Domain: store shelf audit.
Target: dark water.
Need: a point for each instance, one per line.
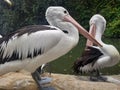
(64, 63)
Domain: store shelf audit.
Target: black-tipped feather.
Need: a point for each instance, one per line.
(90, 55)
(27, 29)
(15, 56)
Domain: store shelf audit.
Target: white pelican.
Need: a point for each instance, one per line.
(0, 36)
(9, 2)
(34, 45)
(95, 58)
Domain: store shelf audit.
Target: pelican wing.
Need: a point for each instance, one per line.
(28, 42)
(90, 55)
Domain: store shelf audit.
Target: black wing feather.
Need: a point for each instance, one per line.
(27, 29)
(90, 55)
(15, 56)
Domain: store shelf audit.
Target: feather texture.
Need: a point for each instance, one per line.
(18, 45)
(89, 56)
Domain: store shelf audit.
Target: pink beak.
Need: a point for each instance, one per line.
(81, 30)
(92, 32)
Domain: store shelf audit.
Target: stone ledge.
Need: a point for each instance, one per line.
(23, 81)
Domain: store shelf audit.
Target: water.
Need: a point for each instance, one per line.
(64, 64)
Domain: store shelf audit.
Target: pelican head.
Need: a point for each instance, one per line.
(98, 22)
(57, 14)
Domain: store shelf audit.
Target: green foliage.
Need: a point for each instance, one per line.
(110, 9)
(113, 29)
(22, 13)
(26, 12)
(112, 15)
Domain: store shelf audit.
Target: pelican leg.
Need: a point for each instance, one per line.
(93, 75)
(100, 77)
(96, 76)
(37, 78)
(40, 81)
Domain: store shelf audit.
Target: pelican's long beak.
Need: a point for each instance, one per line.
(92, 32)
(81, 30)
(9, 2)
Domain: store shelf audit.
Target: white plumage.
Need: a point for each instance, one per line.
(110, 55)
(0, 36)
(8, 1)
(94, 57)
(31, 46)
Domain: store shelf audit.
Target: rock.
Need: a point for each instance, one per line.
(17, 81)
(71, 82)
(23, 81)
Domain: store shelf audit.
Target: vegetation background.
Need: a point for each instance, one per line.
(27, 12)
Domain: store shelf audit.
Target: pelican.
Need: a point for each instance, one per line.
(94, 57)
(0, 36)
(9, 2)
(34, 45)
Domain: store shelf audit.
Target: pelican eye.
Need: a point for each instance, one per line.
(65, 12)
(65, 31)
